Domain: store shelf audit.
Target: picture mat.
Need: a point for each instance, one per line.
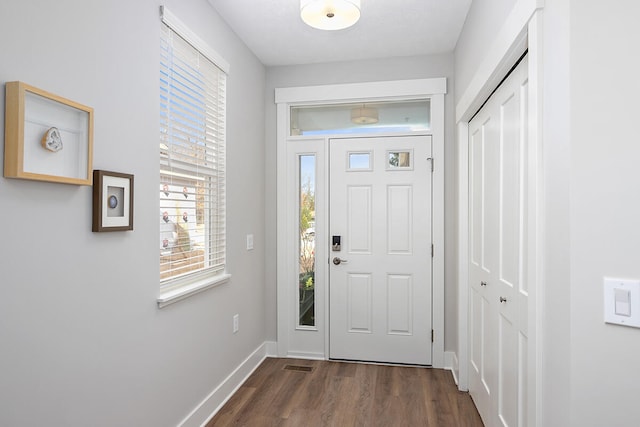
(41, 114)
(116, 182)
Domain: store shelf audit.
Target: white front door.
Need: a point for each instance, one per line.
(381, 276)
(498, 260)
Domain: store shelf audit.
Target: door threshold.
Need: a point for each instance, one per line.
(372, 362)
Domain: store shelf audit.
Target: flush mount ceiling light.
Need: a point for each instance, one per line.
(330, 14)
(364, 115)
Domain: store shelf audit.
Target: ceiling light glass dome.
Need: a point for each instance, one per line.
(330, 14)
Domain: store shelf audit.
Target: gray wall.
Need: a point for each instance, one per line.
(484, 19)
(605, 206)
(82, 340)
(352, 72)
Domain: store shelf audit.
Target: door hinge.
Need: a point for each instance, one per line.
(430, 160)
(432, 251)
(433, 336)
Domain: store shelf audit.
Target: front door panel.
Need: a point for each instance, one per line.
(380, 286)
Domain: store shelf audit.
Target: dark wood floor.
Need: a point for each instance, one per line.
(347, 394)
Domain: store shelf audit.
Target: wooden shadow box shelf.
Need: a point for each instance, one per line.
(32, 116)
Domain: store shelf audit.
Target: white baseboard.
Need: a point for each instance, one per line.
(219, 396)
(272, 348)
(451, 363)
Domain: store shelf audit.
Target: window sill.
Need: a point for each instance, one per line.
(176, 294)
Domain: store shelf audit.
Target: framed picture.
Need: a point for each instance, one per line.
(112, 201)
(47, 137)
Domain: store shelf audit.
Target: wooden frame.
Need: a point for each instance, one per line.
(32, 117)
(112, 201)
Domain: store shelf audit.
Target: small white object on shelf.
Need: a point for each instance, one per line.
(52, 140)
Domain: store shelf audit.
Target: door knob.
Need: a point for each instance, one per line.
(483, 283)
(338, 261)
(503, 299)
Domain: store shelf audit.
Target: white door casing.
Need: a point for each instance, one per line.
(380, 294)
(294, 341)
(498, 230)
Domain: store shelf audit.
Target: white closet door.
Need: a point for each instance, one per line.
(498, 240)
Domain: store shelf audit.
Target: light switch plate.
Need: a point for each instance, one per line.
(622, 302)
(249, 242)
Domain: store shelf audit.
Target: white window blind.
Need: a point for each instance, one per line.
(192, 162)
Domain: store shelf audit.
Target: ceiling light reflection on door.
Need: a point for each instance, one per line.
(330, 14)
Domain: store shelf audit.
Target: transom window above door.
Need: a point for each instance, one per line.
(359, 118)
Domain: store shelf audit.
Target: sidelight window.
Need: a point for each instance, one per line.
(307, 252)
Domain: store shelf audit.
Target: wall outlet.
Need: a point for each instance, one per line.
(236, 323)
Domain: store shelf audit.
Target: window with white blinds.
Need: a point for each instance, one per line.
(192, 162)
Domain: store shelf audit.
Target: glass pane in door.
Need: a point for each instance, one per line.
(307, 255)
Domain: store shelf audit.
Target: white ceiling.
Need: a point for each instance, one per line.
(273, 30)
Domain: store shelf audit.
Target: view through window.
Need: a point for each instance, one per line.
(307, 253)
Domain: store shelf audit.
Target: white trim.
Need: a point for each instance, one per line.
(396, 90)
(173, 295)
(463, 255)
(271, 348)
(283, 265)
(361, 91)
(437, 230)
(451, 363)
(208, 408)
(509, 44)
(536, 210)
(522, 30)
(325, 266)
(192, 38)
